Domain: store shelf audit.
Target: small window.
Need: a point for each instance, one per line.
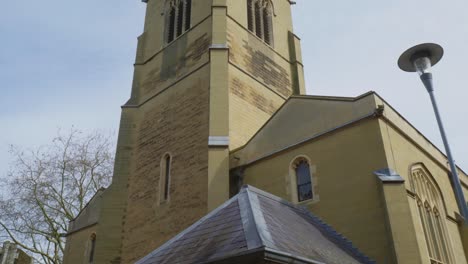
(165, 178)
(260, 19)
(93, 248)
(178, 18)
(303, 180)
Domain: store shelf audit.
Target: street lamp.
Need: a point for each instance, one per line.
(420, 59)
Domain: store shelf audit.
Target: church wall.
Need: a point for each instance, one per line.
(81, 229)
(410, 135)
(114, 199)
(464, 233)
(309, 117)
(177, 60)
(262, 62)
(171, 100)
(261, 77)
(347, 193)
(152, 40)
(179, 98)
(175, 122)
(282, 23)
(77, 247)
(459, 251)
(407, 153)
(250, 106)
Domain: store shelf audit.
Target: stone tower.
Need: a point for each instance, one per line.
(208, 74)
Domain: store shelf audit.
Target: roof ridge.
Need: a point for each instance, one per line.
(251, 232)
(259, 219)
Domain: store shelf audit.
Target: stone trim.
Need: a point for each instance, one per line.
(217, 141)
(291, 181)
(388, 175)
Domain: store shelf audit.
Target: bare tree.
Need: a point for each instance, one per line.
(47, 187)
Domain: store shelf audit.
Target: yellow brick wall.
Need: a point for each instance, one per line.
(168, 112)
(282, 22)
(176, 121)
(380, 218)
(250, 106)
(349, 193)
(177, 60)
(257, 59)
(403, 154)
(152, 39)
(261, 77)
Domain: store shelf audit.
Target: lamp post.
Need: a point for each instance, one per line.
(420, 59)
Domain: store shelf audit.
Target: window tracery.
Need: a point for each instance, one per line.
(178, 18)
(260, 19)
(432, 215)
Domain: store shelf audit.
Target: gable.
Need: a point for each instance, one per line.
(303, 117)
(89, 215)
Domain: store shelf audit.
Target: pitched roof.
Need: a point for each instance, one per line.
(257, 222)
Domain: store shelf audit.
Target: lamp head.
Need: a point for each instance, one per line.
(421, 58)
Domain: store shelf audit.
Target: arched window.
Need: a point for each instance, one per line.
(178, 18)
(165, 178)
(92, 248)
(260, 19)
(303, 180)
(432, 215)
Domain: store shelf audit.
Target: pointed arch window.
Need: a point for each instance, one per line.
(260, 19)
(178, 18)
(431, 214)
(303, 180)
(165, 178)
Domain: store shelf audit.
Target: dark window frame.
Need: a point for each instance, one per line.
(167, 176)
(178, 20)
(304, 184)
(260, 19)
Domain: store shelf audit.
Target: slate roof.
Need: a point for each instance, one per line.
(257, 222)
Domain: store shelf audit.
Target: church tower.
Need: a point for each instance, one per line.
(208, 74)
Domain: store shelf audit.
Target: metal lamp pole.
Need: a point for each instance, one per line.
(420, 59)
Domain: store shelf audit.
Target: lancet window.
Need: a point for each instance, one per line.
(432, 216)
(165, 178)
(92, 248)
(304, 186)
(260, 19)
(178, 18)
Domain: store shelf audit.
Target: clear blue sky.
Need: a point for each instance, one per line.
(65, 63)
